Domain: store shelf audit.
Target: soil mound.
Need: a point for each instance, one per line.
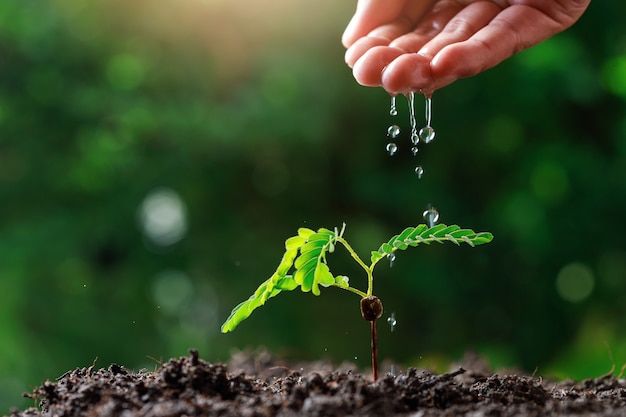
(259, 386)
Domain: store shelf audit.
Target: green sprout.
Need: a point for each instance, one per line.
(305, 255)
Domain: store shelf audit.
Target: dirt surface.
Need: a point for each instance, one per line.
(258, 385)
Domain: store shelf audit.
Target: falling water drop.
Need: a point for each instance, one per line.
(393, 131)
(431, 215)
(392, 321)
(393, 110)
(414, 150)
(427, 134)
(392, 259)
(392, 148)
(419, 171)
(412, 120)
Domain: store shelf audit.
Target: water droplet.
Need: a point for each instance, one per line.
(429, 110)
(356, 357)
(427, 134)
(415, 138)
(419, 171)
(393, 110)
(393, 131)
(392, 321)
(431, 215)
(392, 259)
(412, 119)
(414, 150)
(392, 148)
(84, 285)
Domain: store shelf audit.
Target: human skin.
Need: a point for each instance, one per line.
(423, 45)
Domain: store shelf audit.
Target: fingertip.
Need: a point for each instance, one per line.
(368, 69)
(360, 47)
(349, 35)
(409, 72)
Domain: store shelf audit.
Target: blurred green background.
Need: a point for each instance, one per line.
(154, 155)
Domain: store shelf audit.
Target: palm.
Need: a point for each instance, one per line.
(422, 45)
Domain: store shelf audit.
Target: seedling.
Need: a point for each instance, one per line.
(306, 252)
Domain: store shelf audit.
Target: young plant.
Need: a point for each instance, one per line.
(306, 253)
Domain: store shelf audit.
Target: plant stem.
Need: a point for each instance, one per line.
(357, 258)
(352, 290)
(374, 351)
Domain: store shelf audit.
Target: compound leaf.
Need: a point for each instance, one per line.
(413, 236)
(306, 252)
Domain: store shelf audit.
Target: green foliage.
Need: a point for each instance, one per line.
(413, 236)
(306, 252)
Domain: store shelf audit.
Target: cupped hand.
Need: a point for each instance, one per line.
(423, 45)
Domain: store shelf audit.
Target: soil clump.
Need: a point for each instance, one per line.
(258, 386)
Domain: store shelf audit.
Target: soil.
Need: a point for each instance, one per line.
(259, 385)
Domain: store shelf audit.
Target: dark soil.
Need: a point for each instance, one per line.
(257, 385)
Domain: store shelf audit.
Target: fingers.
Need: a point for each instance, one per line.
(465, 24)
(368, 69)
(429, 26)
(514, 29)
(371, 14)
(412, 71)
(378, 22)
(399, 45)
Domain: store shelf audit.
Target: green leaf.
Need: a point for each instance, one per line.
(386, 249)
(304, 257)
(423, 234)
(304, 232)
(295, 242)
(342, 281)
(286, 262)
(323, 275)
(286, 283)
(307, 267)
(376, 256)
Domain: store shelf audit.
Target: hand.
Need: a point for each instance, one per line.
(423, 45)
